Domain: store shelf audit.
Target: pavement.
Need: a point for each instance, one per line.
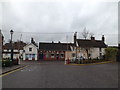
(4, 70)
(11, 68)
(104, 62)
(57, 75)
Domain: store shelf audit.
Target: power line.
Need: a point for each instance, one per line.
(40, 32)
(60, 33)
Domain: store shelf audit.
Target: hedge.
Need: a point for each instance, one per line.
(111, 53)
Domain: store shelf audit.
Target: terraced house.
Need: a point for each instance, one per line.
(17, 50)
(54, 51)
(90, 48)
(85, 48)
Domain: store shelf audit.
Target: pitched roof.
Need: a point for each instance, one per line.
(55, 46)
(1, 33)
(30, 44)
(16, 45)
(1, 36)
(91, 43)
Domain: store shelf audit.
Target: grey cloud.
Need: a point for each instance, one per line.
(53, 17)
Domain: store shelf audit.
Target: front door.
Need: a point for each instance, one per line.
(41, 56)
(57, 56)
(30, 56)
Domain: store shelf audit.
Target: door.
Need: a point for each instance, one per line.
(30, 56)
(57, 56)
(41, 56)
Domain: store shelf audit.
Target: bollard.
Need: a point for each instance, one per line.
(76, 61)
(79, 61)
(65, 62)
(68, 61)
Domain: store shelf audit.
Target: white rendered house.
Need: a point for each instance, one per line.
(30, 52)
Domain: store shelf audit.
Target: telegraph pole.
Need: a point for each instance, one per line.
(19, 49)
(67, 50)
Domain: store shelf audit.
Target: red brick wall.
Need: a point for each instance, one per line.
(55, 55)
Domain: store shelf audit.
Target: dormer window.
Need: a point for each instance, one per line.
(30, 49)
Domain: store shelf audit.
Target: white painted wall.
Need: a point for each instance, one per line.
(8, 55)
(103, 51)
(15, 56)
(68, 55)
(95, 52)
(34, 51)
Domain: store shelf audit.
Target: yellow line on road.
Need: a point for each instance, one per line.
(92, 63)
(13, 71)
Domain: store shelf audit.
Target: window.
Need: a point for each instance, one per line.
(27, 56)
(33, 55)
(47, 55)
(73, 54)
(52, 55)
(62, 55)
(89, 55)
(30, 49)
(24, 51)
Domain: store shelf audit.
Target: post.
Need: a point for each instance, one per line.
(11, 32)
(66, 50)
(118, 53)
(76, 52)
(1, 43)
(75, 42)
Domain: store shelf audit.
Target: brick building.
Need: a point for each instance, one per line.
(53, 51)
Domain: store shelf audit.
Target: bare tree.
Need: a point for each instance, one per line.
(85, 33)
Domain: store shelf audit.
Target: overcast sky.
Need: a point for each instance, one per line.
(59, 19)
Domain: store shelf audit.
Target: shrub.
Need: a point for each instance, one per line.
(111, 53)
(6, 63)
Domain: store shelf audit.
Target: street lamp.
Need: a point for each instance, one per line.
(11, 32)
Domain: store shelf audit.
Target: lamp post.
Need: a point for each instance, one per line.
(11, 32)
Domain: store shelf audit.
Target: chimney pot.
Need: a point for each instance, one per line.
(92, 38)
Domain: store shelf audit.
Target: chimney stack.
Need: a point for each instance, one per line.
(92, 38)
(1, 37)
(32, 40)
(103, 38)
(52, 41)
(75, 37)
